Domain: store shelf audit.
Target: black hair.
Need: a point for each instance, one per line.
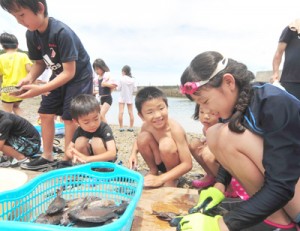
(13, 5)
(195, 116)
(8, 41)
(202, 67)
(83, 105)
(148, 93)
(100, 64)
(127, 70)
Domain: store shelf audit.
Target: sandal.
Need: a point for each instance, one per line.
(203, 183)
(238, 190)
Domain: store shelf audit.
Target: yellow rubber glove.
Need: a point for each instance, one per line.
(198, 222)
(208, 199)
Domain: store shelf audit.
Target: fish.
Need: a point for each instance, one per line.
(101, 203)
(58, 204)
(73, 205)
(53, 219)
(78, 201)
(165, 216)
(97, 214)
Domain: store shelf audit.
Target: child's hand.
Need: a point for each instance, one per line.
(78, 157)
(29, 91)
(199, 221)
(132, 162)
(25, 81)
(152, 181)
(208, 199)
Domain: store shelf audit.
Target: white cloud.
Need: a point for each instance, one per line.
(159, 38)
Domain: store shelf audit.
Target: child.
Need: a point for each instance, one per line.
(18, 138)
(51, 44)
(200, 150)
(93, 140)
(162, 141)
(258, 143)
(207, 159)
(126, 87)
(105, 86)
(14, 66)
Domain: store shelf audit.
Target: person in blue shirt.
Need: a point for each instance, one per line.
(53, 44)
(257, 143)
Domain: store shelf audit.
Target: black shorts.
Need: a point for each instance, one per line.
(59, 99)
(161, 167)
(106, 99)
(19, 101)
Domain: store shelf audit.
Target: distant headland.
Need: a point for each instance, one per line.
(170, 91)
(173, 91)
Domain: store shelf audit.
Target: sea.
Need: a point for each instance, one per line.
(180, 109)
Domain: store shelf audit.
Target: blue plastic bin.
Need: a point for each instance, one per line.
(20, 207)
(59, 128)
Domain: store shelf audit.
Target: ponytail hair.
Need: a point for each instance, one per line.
(127, 70)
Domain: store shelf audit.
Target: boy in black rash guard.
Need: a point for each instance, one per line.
(258, 143)
(52, 44)
(18, 138)
(93, 140)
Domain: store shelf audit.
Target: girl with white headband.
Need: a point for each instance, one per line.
(257, 142)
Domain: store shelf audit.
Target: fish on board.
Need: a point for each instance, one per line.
(165, 216)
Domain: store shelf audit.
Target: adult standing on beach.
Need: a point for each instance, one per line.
(14, 66)
(257, 143)
(289, 45)
(126, 87)
(105, 86)
(54, 44)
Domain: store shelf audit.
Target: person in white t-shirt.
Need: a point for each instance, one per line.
(126, 87)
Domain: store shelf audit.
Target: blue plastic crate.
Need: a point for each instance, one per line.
(59, 128)
(20, 207)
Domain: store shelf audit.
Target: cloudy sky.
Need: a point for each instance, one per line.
(159, 38)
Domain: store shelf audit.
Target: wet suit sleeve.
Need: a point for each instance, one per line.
(223, 176)
(281, 160)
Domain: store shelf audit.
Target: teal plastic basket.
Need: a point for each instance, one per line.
(20, 207)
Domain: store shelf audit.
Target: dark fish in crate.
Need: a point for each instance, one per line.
(58, 204)
(82, 224)
(53, 219)
(75, 204)
(81, 200)
(97, 214)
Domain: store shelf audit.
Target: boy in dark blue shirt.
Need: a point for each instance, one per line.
(51, 44)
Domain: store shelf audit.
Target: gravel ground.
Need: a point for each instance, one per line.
(124, 142)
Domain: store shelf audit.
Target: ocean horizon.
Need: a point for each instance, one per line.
(180, 109)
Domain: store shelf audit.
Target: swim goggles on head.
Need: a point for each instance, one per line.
(190, 87)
